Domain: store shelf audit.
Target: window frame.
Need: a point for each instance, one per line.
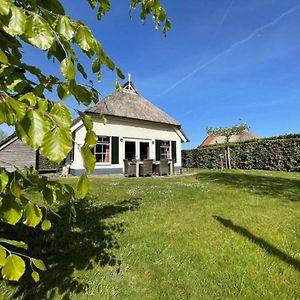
(164, 145)
(101, 143)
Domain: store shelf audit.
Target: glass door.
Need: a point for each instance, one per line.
(130, 150)
(144, 150)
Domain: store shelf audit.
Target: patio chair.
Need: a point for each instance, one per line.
(164, 168)
(146, 168)
(129, 169)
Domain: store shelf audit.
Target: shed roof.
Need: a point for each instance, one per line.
(8, 140)
(133, 106)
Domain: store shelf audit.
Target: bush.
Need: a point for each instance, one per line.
(277, 153)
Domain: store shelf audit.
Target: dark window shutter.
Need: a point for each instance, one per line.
(115, 150)
(157, 149)
(174, 156)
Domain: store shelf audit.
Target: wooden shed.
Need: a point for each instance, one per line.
(13, 152)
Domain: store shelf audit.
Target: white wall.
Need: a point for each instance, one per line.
(124, 128)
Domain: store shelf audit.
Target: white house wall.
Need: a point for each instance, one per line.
(124, 129)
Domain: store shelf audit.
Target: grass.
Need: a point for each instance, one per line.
(214, 235)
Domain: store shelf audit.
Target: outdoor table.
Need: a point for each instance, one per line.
(140, 162)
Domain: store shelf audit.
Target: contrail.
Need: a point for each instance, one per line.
(231, 48)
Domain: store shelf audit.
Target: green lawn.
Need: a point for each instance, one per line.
(215, 235)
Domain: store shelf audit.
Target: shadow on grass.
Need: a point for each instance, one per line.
(269, 248)
(73, 244)
(282, 188)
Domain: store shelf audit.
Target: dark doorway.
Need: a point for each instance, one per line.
(129, 150)
(144, 150)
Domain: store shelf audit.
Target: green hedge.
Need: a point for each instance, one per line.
(280, 153)
(46, 164)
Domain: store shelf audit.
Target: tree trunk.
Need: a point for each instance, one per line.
(228, 157)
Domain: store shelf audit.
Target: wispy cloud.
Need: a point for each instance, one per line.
(230, 49)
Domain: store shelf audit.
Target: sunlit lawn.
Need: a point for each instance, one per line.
(215, 235)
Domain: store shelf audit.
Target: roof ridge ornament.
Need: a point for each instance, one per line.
(128, 87)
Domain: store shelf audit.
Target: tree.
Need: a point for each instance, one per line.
(39, 122)
(228, 132)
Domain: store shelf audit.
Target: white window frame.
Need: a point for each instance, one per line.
(98, 163)
(165, 146)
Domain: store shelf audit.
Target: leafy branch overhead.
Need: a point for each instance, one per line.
(42, 123)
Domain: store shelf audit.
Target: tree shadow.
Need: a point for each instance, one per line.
(73, 243)
(282, 188)
(266, 246)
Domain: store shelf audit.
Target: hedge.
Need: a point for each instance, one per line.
(276, 153)
(46, 164)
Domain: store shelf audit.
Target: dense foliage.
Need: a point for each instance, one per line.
(228, 131)
(281, 154)
(41, 123)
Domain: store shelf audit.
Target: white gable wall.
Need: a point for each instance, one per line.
(131, 129)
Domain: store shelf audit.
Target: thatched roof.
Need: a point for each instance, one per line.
(131, 105)
(219, 139)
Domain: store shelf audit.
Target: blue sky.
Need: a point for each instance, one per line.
(192, 75)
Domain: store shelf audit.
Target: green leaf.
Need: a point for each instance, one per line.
(65, 28)
(32, 128)
(96, 65)
(90, 139)
(63, 91)
(18, 107)
(4, 7)
(67, 69)
(80, 68)
(61, 115)
(10, 211)
(46, 225)
(15, 188)
(82, 95)
(38, 263)
(83, 186)
(89, 159)
(84, 38)
(6, 114)
(57, 144)
(35, 275)
(93, 3)
(18, 244)
(42, 104)
(32, 215)
(13, 268)
(3, 179)
(39, 32)
(87, 120)
(17, 22)
(3, 57)
(107, 61)
(120, 73)
(2, 256)
(118, 86)
(38, 90)
(94, 95)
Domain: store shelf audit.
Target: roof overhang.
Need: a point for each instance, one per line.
(7, 141)
(77, 123)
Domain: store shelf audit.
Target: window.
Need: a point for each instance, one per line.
(165, 150)
(102, 149)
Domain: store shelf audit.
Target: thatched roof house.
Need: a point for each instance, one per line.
(136, 130)
(219, 139)
(132, 106)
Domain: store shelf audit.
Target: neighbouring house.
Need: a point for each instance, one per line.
(13, 152)
(135, 130)
(219, 139)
